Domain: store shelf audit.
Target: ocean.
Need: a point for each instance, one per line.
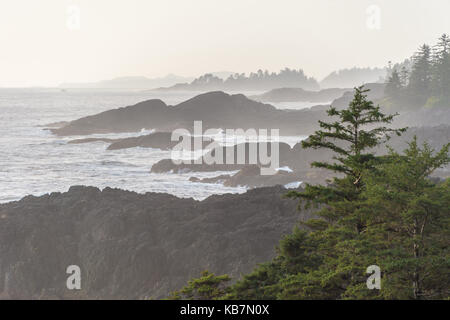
(35, 162)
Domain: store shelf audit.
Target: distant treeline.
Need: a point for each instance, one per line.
(261, 80)
(354, 77)
(424, 80)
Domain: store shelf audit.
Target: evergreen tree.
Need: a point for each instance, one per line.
(441, 72)
(308, 262)
(341, 221)
(297, 254)
(407, 235)
(394, 86)
(428, 82)
(408, 223)
(379, 210)
(383, 211)
(351, 138)
(207, 287)
(404, 76)
(419, 88)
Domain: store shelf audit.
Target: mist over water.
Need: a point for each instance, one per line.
(297, 105)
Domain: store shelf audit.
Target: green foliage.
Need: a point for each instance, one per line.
(296, 255)
(383, 211)
(394, 85)
(428, 81)
(408, 220)
(350, 137)
(207, 287)
(441, 72)
(419, 87)
(406, 233)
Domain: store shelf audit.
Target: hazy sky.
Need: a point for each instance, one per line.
(42, 42)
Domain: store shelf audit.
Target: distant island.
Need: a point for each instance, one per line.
(354, 77)
(232, 81)
(260, 80)
(137, 83)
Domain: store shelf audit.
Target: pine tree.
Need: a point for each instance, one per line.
(394, 86)
(382, 210)
(404, 76)
(351, 140)
(207, 287)
(408, 223)
(341, 224)
(407, 235)
(297, 254)
(441, 72)
(419, 88)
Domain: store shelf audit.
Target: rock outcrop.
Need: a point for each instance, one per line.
(296, 159)
(131, 245)
(214, 109)
(299, 160)
(156, 140)
(250, 155)
(148, 114)
(250, 176)
(221, 110)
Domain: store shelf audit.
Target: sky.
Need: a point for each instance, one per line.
(48, 42)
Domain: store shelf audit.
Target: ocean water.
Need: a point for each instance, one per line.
(298, 105)
(33, 161)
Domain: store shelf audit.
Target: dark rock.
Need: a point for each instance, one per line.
(167, 165)
(131, 245)
(215, 109)
(157, 140)
(221, 110)
(147, 114)
(251, 176)
(299, 161)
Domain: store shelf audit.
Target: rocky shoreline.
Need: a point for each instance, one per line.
(214, 109)
(295, 159)
(132, 246)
